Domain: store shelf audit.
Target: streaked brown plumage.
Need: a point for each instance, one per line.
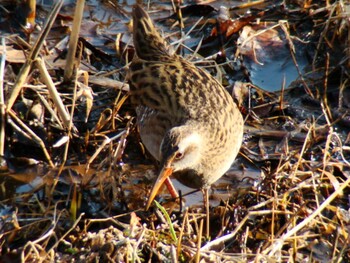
(187, 120)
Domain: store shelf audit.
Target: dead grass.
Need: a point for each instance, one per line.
(75, 178)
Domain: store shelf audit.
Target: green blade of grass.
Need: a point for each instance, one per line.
(165, 213)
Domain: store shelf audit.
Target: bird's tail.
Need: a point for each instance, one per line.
(149, 44)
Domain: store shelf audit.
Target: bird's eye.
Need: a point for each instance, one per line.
(179, 155)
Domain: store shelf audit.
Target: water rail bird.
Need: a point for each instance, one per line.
(186, 118)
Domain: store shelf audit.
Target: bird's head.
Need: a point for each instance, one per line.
(180, 150)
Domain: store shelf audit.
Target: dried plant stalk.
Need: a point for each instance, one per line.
(22, 76)
(72, 47)
(2, 99)
(55, 96)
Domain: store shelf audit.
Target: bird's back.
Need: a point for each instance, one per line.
(169, 83)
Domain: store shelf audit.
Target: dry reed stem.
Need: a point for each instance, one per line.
(32, 135)
(2, 98)
(50, 109)
(182, 231)
(70, 126)
(328, 23)
(106, 141)
(118, 152)
(199, 241)
(292, 53)
(109, 83)
(73, 41)
(55, 96)
(22, 76)
(181, 41)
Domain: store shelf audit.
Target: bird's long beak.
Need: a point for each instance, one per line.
(163, 175)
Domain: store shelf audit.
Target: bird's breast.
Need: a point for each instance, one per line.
(191, 178)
